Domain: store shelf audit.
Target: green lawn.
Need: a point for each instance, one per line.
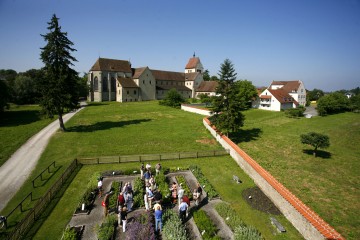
(329, 184)
(145, 127)
(17, 125)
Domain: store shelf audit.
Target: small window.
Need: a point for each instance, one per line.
(143, 81)
(134, 91)
(150, 82)
(127, 91)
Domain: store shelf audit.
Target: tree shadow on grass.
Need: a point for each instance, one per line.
(16, 118)
(319, 153)
(104, 125)
(245, 135)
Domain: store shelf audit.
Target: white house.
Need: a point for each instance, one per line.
(281, 95)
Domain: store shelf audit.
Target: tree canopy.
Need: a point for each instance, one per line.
(246, 92)
(59, 87)
(206, 75)
(4, 96)
(317, 140)
(172, 99)
(333, 103)
(226, 107)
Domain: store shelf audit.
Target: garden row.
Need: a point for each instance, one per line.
(142, 224)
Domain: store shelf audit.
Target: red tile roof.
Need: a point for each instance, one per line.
(191, 76)
(138, 72)
(265, 96)
(281, 95)
(112, 65)
(166, 75)
(192, 62)
(288, 86)
(207, 86)
(127, 82)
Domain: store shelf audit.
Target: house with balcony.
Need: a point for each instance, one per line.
(281, 95)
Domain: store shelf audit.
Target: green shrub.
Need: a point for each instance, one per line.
(138, 189)
(295, 112)
(106, 230)
(246, 233)
(204, 224)
(173, 229)
(211, 192)
(115, 187)
(181, 180)
(163, 185)
(69, 234)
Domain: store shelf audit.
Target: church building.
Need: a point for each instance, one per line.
(116, 80)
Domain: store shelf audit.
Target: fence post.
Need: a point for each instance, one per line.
(97, 160)
(139, 158)
(179, 155)
(160, 157)
(197, 154)
(33, 182)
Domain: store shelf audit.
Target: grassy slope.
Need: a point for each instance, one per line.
(17, 125)
(329, 185)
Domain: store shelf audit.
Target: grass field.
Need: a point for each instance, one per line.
(17, 125)
(329, 184)
(269, 137)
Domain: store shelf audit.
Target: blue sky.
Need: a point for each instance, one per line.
(316, 41)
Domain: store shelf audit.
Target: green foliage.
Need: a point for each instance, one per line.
(59, 87)
(163, 185)
(295, 112)
(226, 107)
(69, 234)
(233, 220)
(4, 96)
(355, 103)
(246, 93)
(317, 140)
(87, 198)
(172, 99)
(210, 191)
(333, 103)
(246, 233)
(187, 191)
(138, 189)
(25, 90)
(173, 229)
(115, 187)
(314, 95)
(106, 230)
(206, 75)
(204, 224)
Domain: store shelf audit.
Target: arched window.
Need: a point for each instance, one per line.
(96, 84)
(105, 84)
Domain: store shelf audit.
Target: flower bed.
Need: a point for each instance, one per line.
(173, 229)
(115, 191)
(181, 180)
(210, 191)
(240, 229)
(205, 225)
(141, 227)
(138, 190)
(106, 230)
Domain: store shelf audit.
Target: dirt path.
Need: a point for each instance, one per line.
(15, 171)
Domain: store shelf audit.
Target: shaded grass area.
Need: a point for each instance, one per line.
(329, 184)
(17, 125)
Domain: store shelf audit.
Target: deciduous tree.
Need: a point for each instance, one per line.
(246, 93)
(172, 99)
(317, 140)
(59, 88)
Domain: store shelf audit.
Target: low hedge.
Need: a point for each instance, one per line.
(173, 229)
(181, 180)
(209, 189)
(106, 230)
(205, 225)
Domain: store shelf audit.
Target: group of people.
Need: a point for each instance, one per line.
(126, 201)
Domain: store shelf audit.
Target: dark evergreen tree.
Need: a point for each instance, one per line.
(227, 109)
(206, 75)
(59, 88)
(4, 96)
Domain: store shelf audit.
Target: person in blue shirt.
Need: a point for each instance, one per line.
(182, 210)
(158, 219)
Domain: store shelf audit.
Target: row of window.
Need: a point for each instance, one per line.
(105, 87)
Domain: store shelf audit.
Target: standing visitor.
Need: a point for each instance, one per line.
(158, 168)
(142, 168)
(158, 219)
(182, 210)
(121, 200)
(147, 176)
(100, 186)
(123, 215)
(129, 200)
(152, 183)
(180, 192)
(187, 200)
(173, 190)
(199, 190)
(196, 196)
(146, 201)
(105, 204)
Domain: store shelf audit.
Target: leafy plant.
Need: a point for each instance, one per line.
(115, 186)
(69, 234)
(138, 189)
(163, 185)
(246, 233)
(181, 180)
(173, 229)
(142, 227)
(211, 192)
(106, 230)
(204, 224)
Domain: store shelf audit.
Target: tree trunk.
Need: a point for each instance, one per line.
(314, 152)
(62, 126)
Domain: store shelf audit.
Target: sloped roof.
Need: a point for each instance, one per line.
(168, 87)
(207, 86)
(111, 65)
(191, 76)
(192, 62)
(288, 86)
(167, 75)
(127, 82)
(281, 95)
(138, 71)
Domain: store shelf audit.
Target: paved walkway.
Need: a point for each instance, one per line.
(16, 170)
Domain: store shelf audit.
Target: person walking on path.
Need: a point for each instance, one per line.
(123, 216)
(182, 210)
(158, 219)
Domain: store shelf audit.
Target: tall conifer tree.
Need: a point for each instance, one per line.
(59, 86)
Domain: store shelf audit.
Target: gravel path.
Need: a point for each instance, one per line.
(15, 171)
